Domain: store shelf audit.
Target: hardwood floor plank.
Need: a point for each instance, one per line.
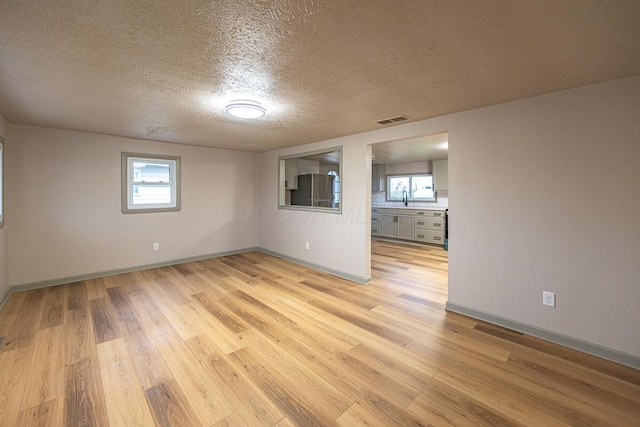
(84, 403)
(76, 295)
(441, 405)
(79, 338)
(363, 323)
(328, 398)
(170, 407)
(155, 323)
(47, 369)
(124, 398)
(53, 313)
(150, 367)
(171, 285)
(227, 341)
(298, 409)
(480, 387)
(120, 303)
(357, 415)
(257, 410)
(95, 288)
(47, 414)
(6, 324)
(14, 374)
(180, 321)
(14, 303)
(24, 330)
(104, 322)
(229, 320)
(233, 420)
(201, 390)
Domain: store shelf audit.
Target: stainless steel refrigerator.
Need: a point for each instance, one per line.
(314, 190)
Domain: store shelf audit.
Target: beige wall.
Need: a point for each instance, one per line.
(66, 215)
(543, 195)
(4, 240)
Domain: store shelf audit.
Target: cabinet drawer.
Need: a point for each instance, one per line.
(430, 236)
(376, 218)
(375, 211)
(429, 223)
(436, 214)
(387, 211)
(375, 230)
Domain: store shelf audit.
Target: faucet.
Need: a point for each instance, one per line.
(405, 198)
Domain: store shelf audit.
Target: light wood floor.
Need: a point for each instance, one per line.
(254, 340)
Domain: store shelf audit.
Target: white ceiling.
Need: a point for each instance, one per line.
(163, 70)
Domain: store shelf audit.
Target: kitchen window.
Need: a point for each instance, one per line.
(417, 188)
(150, 183)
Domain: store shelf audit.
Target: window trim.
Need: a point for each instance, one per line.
(410, 199)
(2, 180)
(127, 183)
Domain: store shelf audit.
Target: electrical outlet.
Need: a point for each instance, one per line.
(306, 245)
(549, 298)
(156, 246)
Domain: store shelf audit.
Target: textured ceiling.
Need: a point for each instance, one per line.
(163, 70)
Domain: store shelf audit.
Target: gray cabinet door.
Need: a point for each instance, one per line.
(389, 226)
(405, 227)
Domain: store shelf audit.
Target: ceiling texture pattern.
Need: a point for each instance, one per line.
(164, 70)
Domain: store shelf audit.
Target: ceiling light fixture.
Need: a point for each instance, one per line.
(245, 109)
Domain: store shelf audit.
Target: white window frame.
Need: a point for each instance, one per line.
(128, 183)
(2, 156)
(411, 177)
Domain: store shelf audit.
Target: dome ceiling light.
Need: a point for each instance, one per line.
(245, 109)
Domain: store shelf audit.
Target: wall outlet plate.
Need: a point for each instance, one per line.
(156, 246)
(549, 299)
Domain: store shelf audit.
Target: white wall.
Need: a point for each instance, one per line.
(543, 196)
(65, 208)
(4, 240)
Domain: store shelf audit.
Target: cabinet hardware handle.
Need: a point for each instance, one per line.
(436, 238)
(436, 224)
(420, 223)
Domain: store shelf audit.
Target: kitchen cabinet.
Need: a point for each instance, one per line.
(378, 178)
(397, 224)
(376, 222)
(441, 175)
(422, 225)
(429, 227)
(291, 174)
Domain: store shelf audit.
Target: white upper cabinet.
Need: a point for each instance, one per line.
(291, 174)
(441, 175)
(378, 178)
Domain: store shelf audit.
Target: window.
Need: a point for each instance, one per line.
(306, 184)
(415, 187)
(1, 182)
(150, 183)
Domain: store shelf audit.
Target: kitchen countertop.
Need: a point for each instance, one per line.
(417, 208)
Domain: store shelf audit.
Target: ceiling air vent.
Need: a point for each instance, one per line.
(393, 120)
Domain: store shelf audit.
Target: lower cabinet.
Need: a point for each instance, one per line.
(397, 226)
(420, 225)
(376, 222)
(429, 227)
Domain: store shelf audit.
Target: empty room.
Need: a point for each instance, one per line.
(319, 212)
